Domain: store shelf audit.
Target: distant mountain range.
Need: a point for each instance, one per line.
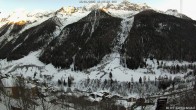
(83, 36)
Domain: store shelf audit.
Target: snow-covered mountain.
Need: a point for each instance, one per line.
(23, 16)
(103, 48)
(125, 5)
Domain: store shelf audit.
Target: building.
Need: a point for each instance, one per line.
(14, 91)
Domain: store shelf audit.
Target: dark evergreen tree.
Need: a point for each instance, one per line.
(194, 86)
(105, 82)
(129, 85)
(34, 75)
(140, 80)
(59, 82)
(155, 81)
(194, 72)
(110, 75)
(177, 68)
(64, 83)
(111, 82)
(69, 82)
(88, 80)
(157, 62)
(173, 84)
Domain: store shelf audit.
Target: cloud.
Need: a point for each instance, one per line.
(188, 6)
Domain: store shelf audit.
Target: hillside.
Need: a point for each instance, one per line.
(30, 40)
(83, 43)
(160, 36)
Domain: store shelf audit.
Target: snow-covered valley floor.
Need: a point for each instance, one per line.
(124, 82)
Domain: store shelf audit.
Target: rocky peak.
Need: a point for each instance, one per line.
(96, 15)
(67, 10)
(125, 5)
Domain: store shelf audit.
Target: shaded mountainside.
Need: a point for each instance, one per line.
(9, 31)
(83, 43)
(160, 36)
(16, 29)
(30, 40)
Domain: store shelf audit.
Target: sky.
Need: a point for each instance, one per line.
(7, 6)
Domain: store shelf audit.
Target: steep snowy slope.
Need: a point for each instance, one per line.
(19, 38)
(17, 22)
(24, 18)
(30, 40)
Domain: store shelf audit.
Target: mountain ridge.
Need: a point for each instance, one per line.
(161, 37)
(79, 35)
(91, 38)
